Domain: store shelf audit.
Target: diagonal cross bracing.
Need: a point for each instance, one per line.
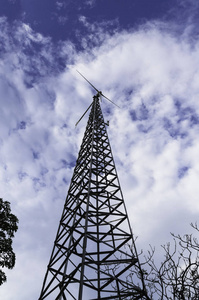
(91, 258)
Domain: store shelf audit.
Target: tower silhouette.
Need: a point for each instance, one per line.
(94, 254)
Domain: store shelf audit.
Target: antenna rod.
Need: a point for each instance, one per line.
(99, 92)
(88, 82)
(83, 115)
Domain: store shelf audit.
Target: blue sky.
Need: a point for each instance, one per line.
(144, 55)
(60, 19)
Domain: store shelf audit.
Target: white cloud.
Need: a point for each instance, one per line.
(153, 76)
(160, 70)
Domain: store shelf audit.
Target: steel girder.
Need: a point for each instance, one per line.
(91, 257)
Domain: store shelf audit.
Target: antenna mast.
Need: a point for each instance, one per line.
(94, 255)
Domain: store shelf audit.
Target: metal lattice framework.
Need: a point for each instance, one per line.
(91, 258)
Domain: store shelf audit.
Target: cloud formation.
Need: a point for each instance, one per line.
(153, 75)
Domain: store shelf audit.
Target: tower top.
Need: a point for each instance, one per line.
(98, 96)
(99, 93)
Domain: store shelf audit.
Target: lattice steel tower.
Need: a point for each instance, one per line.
(91, 257)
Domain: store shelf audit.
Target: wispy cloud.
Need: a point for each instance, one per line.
(153, 75)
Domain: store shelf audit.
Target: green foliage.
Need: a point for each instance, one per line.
(8, 227)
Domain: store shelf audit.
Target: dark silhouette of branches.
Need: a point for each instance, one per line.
(177, 276)
(8, 227)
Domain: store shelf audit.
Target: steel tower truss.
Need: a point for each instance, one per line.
(91, 257)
